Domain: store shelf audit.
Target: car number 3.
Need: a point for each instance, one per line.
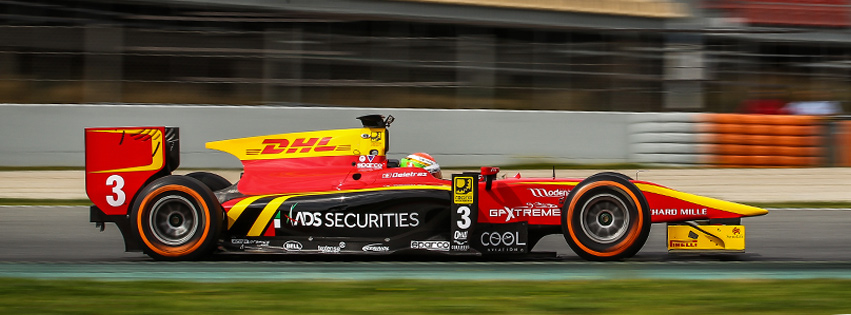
(465, 221)
(117, 183)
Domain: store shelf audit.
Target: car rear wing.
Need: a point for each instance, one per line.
(120, 161)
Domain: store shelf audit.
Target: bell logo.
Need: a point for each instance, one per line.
(293, 246)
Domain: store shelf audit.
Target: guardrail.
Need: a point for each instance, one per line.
(666, 138)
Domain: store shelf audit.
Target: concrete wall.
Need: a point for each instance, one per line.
(52, 135)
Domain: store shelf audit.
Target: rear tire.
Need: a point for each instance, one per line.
(606, 217)
(176, 218)
(214, 181)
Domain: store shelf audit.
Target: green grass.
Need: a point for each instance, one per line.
(19, 296)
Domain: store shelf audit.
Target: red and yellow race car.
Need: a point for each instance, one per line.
(336, 192)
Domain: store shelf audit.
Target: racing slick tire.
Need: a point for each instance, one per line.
(214, 181)
(606, 217)
(176, 218)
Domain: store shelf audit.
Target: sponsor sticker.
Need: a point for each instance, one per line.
(460, 235)
(325, 249)
(404, 175)
(370, 166)
(376, 248)
(503, 242)
(376, 136)
(293, 146)
(460, 245)
(328, 249)
(463, 192)
(431, 245)
(683, 212)
(502, 238)
(530, 210)
(242, 241)
(494, 239)
(293, 246)
(735, 233)
(356, 220)
(543, 192)
(682, 244)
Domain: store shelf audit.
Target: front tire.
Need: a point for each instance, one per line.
(606, 217)
(177, 218)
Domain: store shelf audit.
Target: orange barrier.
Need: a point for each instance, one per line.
(843, 143)
(767, 130)
(763, 161)
(766, 150)
(733, 138)
(753, 119)
(744, 140)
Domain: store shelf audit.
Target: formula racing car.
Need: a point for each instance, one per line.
(336, 192)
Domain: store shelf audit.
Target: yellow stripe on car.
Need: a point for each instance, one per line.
(266, 216)
(239, 207)
(708, 202)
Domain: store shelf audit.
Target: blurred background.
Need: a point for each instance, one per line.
(655, 56)
(603, 55)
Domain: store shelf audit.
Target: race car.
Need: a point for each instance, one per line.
(336, 192)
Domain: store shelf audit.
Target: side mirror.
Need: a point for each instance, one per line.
(489, 174)
(488, 170)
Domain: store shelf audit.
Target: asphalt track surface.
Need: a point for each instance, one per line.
(59, 242)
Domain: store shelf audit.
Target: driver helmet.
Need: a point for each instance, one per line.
(422, 160)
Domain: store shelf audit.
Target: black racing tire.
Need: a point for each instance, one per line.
(176, 218)
(214, 181)
(606, 217)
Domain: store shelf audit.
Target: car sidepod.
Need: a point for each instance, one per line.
(370, 221)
